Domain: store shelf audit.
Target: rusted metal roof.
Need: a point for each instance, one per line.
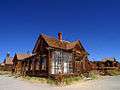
(55, 43)
(23, 56)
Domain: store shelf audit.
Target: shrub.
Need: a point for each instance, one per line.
(113, 72)
(93, 75)
(70, 80)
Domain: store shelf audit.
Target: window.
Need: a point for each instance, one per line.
(58, 62)
(68, 66)
(43, 63)
(62, 61)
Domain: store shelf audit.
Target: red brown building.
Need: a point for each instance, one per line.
(53, 56)
(20, 63)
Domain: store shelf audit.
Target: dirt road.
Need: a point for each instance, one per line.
(108, 83)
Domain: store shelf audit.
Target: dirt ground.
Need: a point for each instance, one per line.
(108, 83)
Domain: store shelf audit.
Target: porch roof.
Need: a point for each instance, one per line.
(22, 56)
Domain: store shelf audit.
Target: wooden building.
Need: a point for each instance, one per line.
(6, 65)
(21, 62)
(52, 56)
(106, 64)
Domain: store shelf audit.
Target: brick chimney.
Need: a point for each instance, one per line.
(60, 36)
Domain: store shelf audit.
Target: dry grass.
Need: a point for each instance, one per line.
(112, 72)
(5, 72)
(66, 80)
(71, 80)
(38, 80)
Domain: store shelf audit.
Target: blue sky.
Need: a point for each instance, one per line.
(96, 23)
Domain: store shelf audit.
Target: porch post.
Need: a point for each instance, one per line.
(84, 63)
(74, 62)
(49, 62)
(34, 66)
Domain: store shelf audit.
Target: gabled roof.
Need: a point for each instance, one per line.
(22, 56)
(55, 43)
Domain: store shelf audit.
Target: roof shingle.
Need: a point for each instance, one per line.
(53, 42)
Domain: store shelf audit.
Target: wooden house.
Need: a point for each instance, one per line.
(21, 62)
(52, 57)
(56, 56)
